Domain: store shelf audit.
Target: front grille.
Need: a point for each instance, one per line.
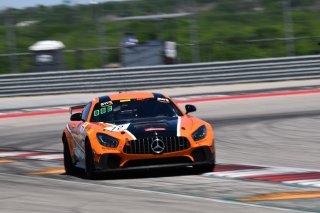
(143, 145)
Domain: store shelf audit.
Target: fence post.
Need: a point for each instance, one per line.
(11, 42)
(288, 27)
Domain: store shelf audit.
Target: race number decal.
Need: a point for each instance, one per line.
(117, 128)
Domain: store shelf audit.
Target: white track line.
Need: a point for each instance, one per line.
(31, 155)
(253, 172)
(46, 157)
(12, 154)
(306, 182)
(268, 171)
(301, 181)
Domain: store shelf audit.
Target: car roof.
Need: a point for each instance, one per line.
(130, 95)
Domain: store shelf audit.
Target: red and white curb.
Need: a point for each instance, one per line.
(31, 155)
(285, 175)
(34, 112)
(179, 100)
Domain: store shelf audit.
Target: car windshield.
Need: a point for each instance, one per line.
(131, 109)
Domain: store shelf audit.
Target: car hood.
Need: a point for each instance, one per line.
(143, 128)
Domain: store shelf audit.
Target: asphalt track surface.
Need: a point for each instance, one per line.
(280, 131)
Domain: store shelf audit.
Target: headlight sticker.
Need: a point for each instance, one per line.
(107, 141)
(200, 133)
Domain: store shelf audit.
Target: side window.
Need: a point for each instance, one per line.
(86, 111)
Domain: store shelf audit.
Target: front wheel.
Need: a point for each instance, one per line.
(90, 168)
(68, 164)
(204, 168)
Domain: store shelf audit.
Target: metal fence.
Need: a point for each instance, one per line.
(88, 58)
(152, 77)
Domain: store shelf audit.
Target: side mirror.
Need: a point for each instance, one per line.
(76, 117)
(190, 108)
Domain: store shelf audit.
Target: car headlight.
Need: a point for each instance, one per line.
(200, 133)
(106, 140)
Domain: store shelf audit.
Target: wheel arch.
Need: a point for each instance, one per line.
(87, 140)
(65, 136)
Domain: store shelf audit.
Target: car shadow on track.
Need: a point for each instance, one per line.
(140, 173)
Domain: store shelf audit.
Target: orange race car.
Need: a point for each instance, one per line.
(136, 130)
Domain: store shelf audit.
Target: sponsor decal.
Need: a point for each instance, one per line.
(154, 129)
(83, 127)
(163, 100)
(125, 100)
(82, 132)
(105, 104)
(102, 111)
(44, 58)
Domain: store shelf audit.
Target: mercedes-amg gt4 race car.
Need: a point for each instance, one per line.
(136, 130)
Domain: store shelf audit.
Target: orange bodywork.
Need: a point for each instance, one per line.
(78, 133)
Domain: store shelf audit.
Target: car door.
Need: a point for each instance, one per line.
(79, 133)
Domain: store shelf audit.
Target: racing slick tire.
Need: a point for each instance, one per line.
(68, 164)
(90, 168)
(204, 168)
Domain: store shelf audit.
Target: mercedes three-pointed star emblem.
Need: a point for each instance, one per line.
(157, 146)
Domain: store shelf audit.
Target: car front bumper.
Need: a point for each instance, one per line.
(192, 157)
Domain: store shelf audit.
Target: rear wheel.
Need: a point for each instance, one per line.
(68, 164)
(90, 168)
